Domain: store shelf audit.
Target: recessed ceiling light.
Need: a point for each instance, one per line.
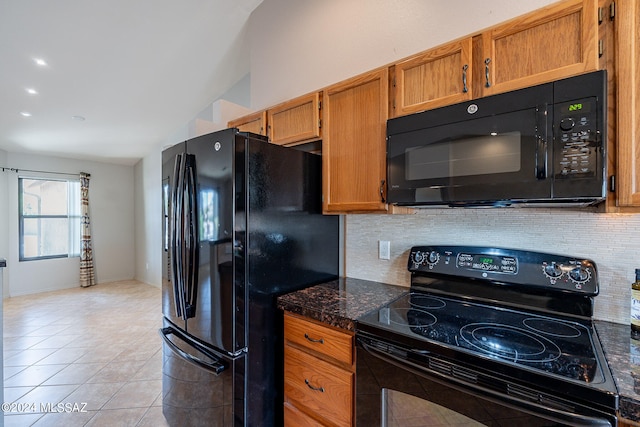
(78, 118)
(41, 62)
(31, 91)
(25, 114)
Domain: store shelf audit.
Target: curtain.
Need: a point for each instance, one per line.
(87, 275)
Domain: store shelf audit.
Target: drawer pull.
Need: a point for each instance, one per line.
(320, 389)
(321, 341)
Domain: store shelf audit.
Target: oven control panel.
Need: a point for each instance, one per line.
(536, 269)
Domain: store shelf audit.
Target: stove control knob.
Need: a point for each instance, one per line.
(552, 270)
(418, 257)
(433, 257)
(580, 275)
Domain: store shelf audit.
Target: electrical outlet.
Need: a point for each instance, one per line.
(384, 249)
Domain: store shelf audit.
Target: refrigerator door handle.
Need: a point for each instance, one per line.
(216, 367)
(175, 234)
(191, 236)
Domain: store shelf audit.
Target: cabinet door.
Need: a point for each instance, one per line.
(554, 42)
(438, 77)
(255, 123)
(293, 417)
(319, 387)
(353, 146)
(627, 21)
(295, 121)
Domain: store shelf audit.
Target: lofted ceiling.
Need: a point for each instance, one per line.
(121, 75)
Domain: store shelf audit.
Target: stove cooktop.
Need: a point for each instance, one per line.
(553, 346)
(516, 322)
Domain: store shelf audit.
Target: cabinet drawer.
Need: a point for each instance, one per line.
(330, 342)
(293, 417)
(322, 388)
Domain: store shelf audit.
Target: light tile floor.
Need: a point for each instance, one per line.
(97, 346)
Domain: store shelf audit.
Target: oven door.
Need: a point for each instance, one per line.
(495, 156)
(394, 390)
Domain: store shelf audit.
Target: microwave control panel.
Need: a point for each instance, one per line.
(577, 139)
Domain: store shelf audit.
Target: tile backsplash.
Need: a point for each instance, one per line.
(611, 240)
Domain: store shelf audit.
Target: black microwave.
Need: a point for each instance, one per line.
(542, 145)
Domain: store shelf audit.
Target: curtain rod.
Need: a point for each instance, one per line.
(36, 171)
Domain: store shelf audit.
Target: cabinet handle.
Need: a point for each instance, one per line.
(320, 389)
(486, 72)
(321, 341)
(464, 78)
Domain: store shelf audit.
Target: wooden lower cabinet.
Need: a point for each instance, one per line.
(319, 374)
(294, 418)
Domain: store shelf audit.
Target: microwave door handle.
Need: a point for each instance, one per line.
(541, 141)
(541, 158)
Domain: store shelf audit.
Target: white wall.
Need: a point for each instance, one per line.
(301, 46)
(298, 47)
(148, 219)
(111, 198)
(4, 221)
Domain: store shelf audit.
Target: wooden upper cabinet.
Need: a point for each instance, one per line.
(627, 38)
(355, 113)
(437, 77)
(551, 43)
(255, 123)
(295, 121)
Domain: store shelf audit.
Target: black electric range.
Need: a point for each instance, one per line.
(513, 323)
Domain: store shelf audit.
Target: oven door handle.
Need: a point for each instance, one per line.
(484, 393)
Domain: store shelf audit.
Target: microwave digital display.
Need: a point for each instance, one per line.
(576, 107)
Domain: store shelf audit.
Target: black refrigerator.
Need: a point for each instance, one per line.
(242, 224)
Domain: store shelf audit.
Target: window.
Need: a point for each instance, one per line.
(49, 215)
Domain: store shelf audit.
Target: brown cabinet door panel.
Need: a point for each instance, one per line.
(329, 342)
(294, 121)
(320, 387)
(254, 123)
(437, 77)
(293, 417)
(354, 148)
(628, 103)
(554, 42)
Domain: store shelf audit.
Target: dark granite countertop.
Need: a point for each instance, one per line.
(340, 302)
(623, 356)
